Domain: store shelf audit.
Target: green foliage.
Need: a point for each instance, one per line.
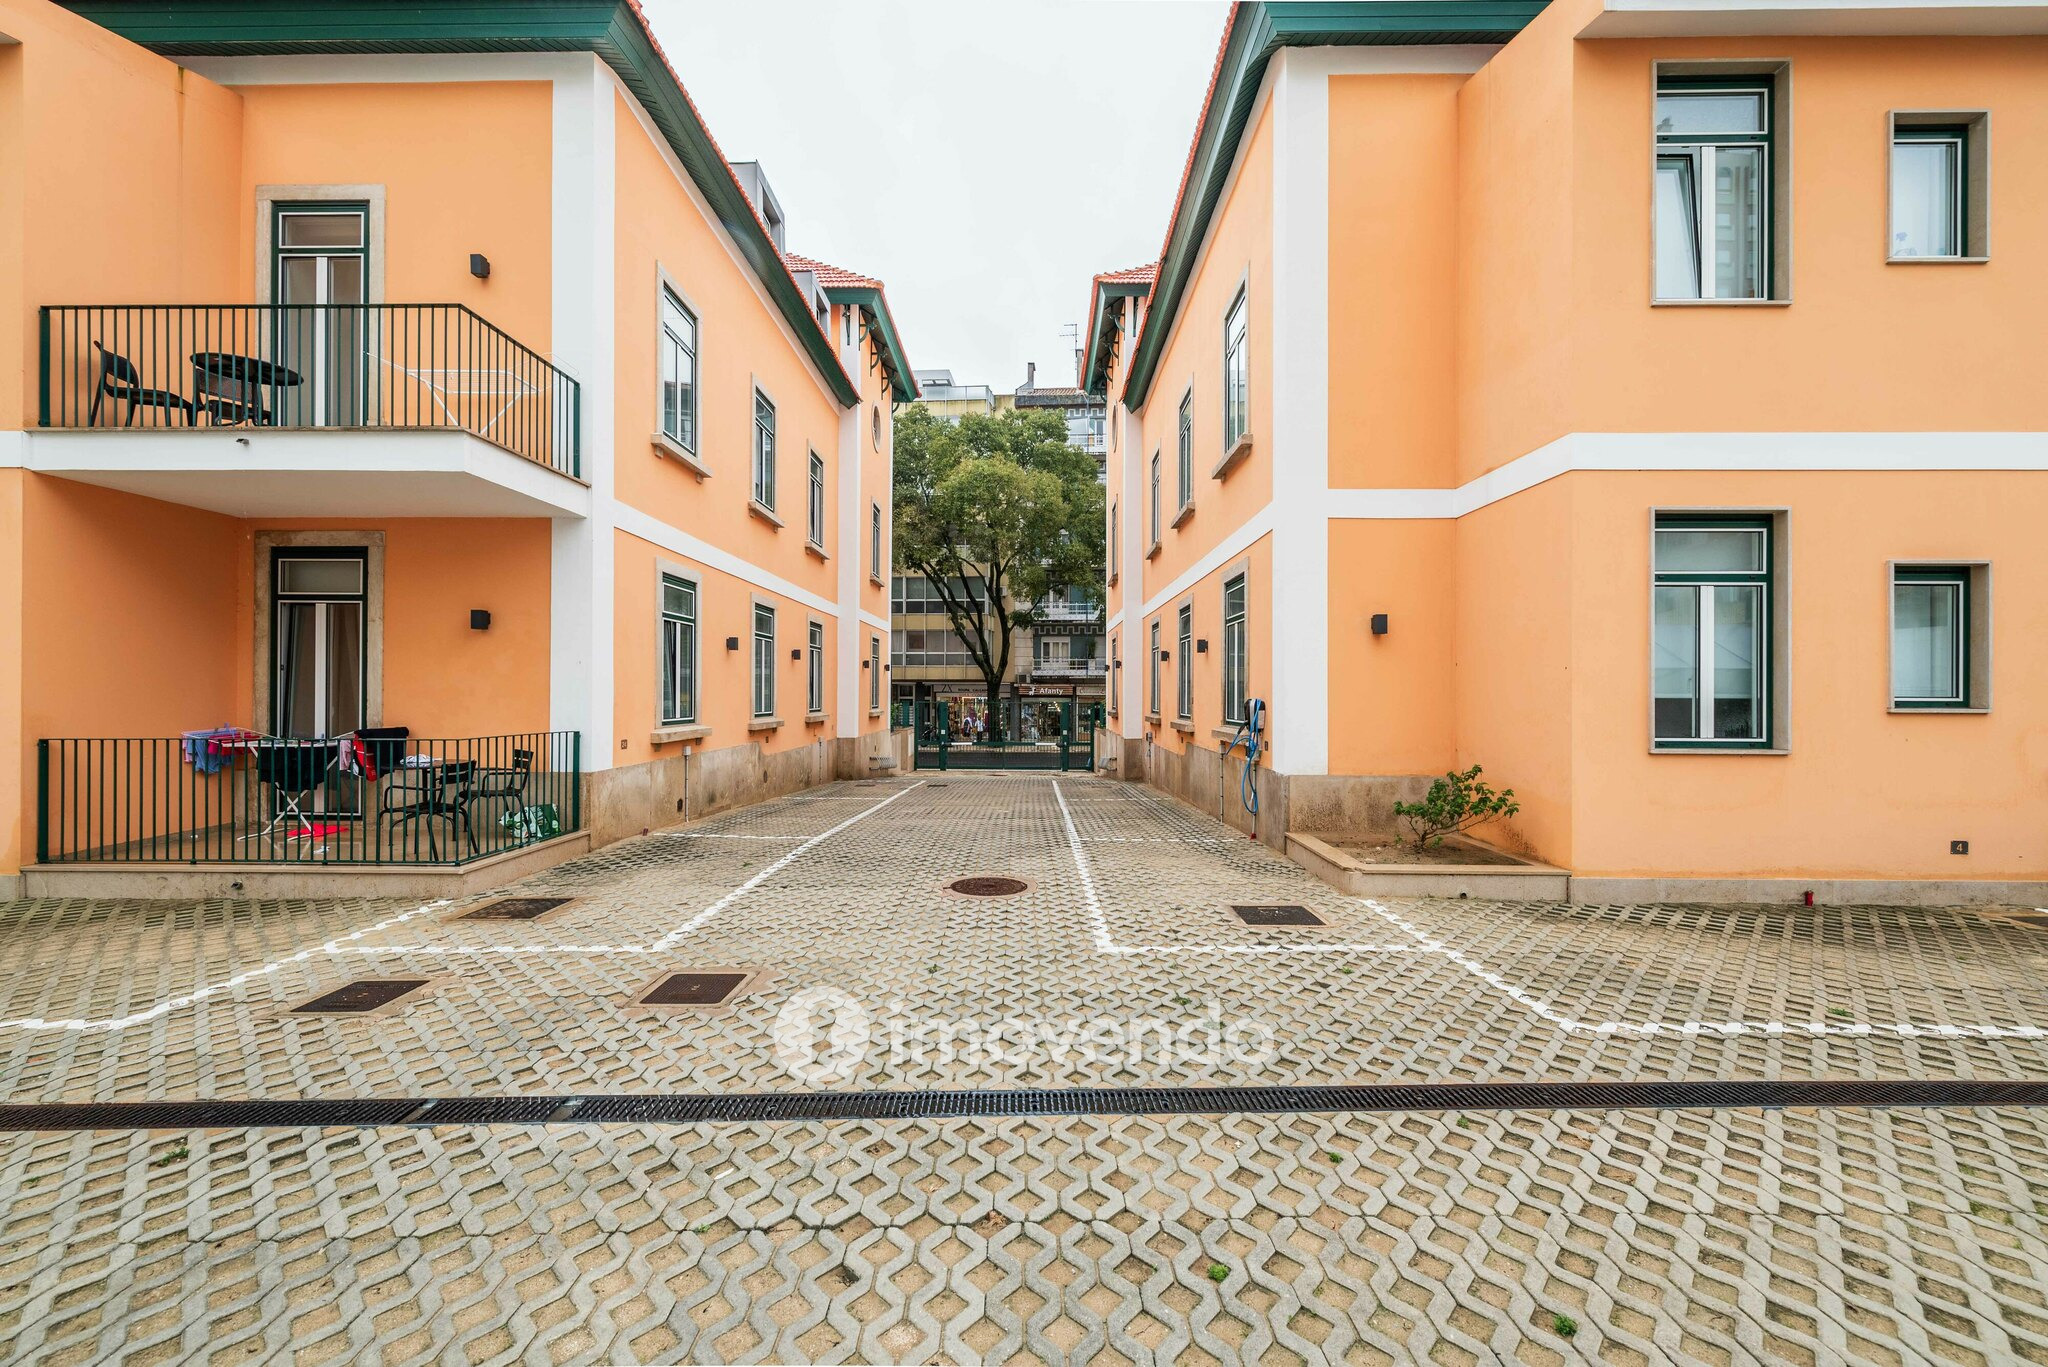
(1218, 1272)
(1456, 802)
(1565, 1325)
(997, 512)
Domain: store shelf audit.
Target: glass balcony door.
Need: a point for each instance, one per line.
(323, 332)
(317, 643)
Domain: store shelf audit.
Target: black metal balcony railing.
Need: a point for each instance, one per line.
(275, 800)
(305, 366)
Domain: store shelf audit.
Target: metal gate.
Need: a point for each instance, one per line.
(1030, 733)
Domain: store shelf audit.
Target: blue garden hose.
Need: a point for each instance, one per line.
(1251, 734)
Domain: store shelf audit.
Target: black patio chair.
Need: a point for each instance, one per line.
(119, 380)
(431, 792)
(292, 771)
(507, 785)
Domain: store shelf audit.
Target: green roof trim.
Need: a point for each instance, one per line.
(1257, 31)
(611, 29)
(869, 300)
(1095, 377)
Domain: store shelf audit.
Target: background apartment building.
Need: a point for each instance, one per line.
(1061, 654)
(430, 381)
(1636, 400)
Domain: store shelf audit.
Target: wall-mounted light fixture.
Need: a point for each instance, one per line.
(863, 664)
(1379, 624)
(479, 619)
(480, 265)
(1165, 654)
(796, 652)
(1202, 646)
(732, 643)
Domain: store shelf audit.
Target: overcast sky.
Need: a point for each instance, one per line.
(982, 158)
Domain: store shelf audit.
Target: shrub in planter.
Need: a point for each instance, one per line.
(1456, 802)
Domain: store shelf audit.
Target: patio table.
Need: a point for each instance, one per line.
(233, 384)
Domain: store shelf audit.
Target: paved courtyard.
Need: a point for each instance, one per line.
(1629, 1237)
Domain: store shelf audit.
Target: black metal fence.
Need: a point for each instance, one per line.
(245, 799)
(304, 366)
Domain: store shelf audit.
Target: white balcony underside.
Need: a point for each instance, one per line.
(1849, 18)
(272, 473)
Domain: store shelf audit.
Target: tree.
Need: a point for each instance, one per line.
(998, 513)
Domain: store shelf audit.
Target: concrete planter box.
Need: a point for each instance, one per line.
(1522, 880)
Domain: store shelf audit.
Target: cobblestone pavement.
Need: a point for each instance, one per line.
(1628, 1237)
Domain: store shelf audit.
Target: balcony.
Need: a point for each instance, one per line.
(247, 409)
(1051, 670)
(241, 799)
(1059, 610)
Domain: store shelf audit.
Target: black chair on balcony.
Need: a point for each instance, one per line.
(509, 786)
(424, 789)
(121, 382)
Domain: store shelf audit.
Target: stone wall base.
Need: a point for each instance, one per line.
(1832, 892)
(618, 803)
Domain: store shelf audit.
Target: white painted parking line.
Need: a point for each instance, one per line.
(348, 944)
(1105, 943)
(1426, 943)
(1523, 997)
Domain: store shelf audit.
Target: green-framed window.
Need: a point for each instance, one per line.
(1236, 374)
(1155, 498)
(814, 672)
(1931, 613)
(1715, 152)
(678, 650)
(1184, 676)
(678, 371)
(1236, 660)
(764, 660)
(764, 450)
(1152, 681)
(1711, 671)
(1186, 450)
(1930, 187)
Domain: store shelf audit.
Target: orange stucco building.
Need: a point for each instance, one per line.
(383, 367)
(1632, 397)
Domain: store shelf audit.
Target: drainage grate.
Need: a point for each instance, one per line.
(759, 1106)
(516, 909)
(990, 886)
(693, 989)
(1277, 916)
(359, 997)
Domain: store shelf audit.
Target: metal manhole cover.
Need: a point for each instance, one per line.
(1277, 916)
(362, 995)
(693, 989)
(516, 909)
(988, 886)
